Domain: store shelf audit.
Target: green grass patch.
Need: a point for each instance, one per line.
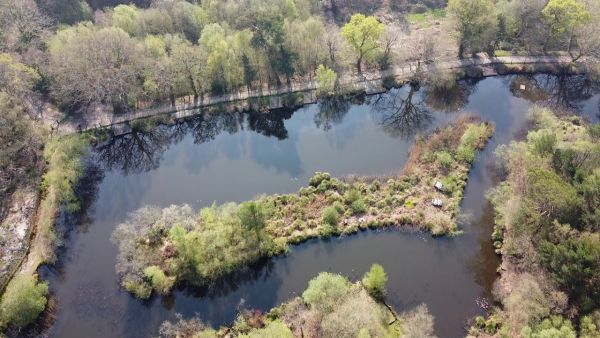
(429, 16)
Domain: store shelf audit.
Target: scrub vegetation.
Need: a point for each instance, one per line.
(547, 230)
(331, 306)
(158, 248)
(75, 58)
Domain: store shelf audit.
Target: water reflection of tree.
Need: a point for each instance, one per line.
(142, 150)
(138, 151)
(270, 123)
(401, 115)
(557, 91)
(449, 98)
(222, 287)
(331, 112)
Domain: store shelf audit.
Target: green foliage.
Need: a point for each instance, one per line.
(472, 139)
(553, 327)
(159, 247)
(359, 207)
(573, 264)
(159, 281)
(363, 34)
(429, 15)
(273, 329)
(319, 178)
(205, 252)
(22, 302)
(588, 328)
(351, 195)
(543, 142)
(475, 22)
(326, 79)
(444, 159)
(553, 198)
(252, 215)
(594, 131)
(375, 281)
(65, 165)
(326, 291)
(562, 16)
(331, 216)
(139, 289)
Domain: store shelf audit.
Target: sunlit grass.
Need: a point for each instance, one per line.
(427, 17)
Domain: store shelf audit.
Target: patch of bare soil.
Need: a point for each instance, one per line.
(15, 231)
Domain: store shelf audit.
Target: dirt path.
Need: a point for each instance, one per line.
(370, 82)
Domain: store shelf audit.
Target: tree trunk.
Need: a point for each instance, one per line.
(358, 65)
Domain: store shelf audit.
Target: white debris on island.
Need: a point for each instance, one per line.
(437, 202)
(439, 186)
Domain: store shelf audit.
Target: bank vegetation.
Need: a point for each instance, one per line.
(158, 248)
(548, 232)
(331, 306)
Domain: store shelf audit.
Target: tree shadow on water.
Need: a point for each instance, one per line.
(401, 115)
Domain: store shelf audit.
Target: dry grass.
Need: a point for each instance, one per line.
(401, 199)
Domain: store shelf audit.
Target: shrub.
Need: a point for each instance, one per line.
(160, 282)
(326, 79)
(252, 215)
(470, 141)
(573, 264)
(319, 177)
(274, 329)
(339, 207)
(594, 131)
(444, 159)
(359, 207)
(330, 216)
(355, 312)
(326, 291)
(552, 196)
(140, 289)
(374, 281)
(351, 195)
(22, 302)
(554, 326)
(543, 142)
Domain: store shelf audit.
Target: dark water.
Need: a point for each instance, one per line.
(237, 156)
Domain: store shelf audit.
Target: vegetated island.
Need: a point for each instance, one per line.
(331, 306)
(547, 229)
(158, 248)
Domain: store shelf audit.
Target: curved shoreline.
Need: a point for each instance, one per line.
(304, 92)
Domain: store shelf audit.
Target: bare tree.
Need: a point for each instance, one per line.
(22, 25)
(107, 72)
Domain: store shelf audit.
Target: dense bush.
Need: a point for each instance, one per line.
(326, 291)
(23, 300)
(330, 216)
(375, 281)
(157, 248)
(547, 217)
(472, 140)
(574, 264)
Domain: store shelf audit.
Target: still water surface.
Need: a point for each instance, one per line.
(234, 157)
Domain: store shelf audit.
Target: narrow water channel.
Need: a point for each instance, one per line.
(234, 157)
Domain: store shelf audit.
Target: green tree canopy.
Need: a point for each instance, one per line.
(375, 281)
(363, 34)
(23, 300)
(475, 22)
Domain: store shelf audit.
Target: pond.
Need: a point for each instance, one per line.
(234, 157)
